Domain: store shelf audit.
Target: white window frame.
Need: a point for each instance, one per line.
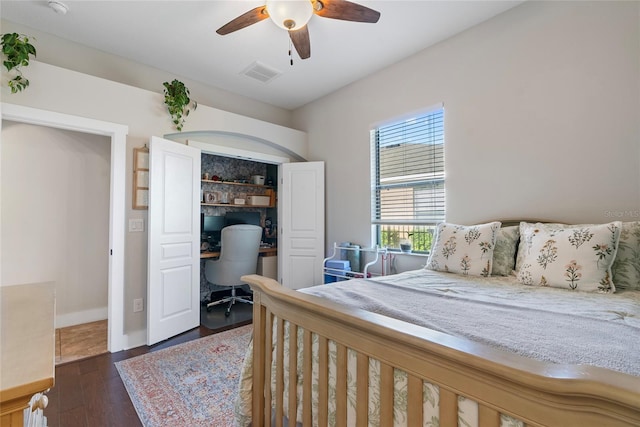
(410, 169)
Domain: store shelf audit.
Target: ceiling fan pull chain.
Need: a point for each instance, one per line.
(290, 57)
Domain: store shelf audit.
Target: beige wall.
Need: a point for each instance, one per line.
(55, 216)
(75, 56)
(542, 119)
(542, 108)
(56, 89)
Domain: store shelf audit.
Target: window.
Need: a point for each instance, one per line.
(407, 191)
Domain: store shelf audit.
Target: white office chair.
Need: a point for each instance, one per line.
(238, 256)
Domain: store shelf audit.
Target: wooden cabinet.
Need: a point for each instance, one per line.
(213, 194)
(27, 350)
(268, 266)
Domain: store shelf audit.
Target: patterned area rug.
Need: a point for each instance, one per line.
(190, 384)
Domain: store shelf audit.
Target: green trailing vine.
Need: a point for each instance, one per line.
(176, 98)
(16, 50)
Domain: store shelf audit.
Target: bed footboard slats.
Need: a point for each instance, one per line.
(279, 378)
(341, 386)
(488, 417)
(266, 367)
(307, 372)
(261, 336)
(448, 408)
(415, 397)
(323, 381)
(292, 374)
(319, 364)
(362, 390)
(386, 395)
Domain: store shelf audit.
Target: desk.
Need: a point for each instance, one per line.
(267, 261)
(262, 252)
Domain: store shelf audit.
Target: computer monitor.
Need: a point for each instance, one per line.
(232, 218)
(212, 223)
(211, 226)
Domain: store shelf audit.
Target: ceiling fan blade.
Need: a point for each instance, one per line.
(300, 39)
(345, 10)
(251, 17)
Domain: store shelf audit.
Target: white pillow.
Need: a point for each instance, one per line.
(467, 250)
(560, 256)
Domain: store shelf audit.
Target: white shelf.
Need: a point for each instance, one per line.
(246, 184)
(348, 274)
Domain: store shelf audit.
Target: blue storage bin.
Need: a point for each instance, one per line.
(341, 264)
(337, 264)
(329, 279)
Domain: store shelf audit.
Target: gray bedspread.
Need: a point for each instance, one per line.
(548, 324)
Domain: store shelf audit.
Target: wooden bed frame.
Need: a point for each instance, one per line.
(538, 393)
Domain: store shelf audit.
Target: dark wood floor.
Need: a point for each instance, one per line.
(90, 392)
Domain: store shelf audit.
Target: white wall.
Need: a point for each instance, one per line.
(542, 108)
(55, 216)
(58, 89)
(76, 56)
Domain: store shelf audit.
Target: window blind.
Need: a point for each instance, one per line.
(408, 182)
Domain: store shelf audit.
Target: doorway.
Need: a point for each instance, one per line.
(117, 134)
(56, 216)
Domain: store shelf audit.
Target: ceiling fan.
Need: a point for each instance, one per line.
(293, 15)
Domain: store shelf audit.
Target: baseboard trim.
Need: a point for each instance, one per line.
(135, 339)
(80, 317)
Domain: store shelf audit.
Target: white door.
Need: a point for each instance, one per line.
(173, 284)
(301, 223)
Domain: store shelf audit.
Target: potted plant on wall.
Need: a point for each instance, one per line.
(16, 50)
(176, 98)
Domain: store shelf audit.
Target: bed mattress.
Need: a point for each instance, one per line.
(548, 324)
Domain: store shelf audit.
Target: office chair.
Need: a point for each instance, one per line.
(238, 256)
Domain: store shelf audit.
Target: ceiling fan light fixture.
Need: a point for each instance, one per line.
(290, 15)
(58, 7)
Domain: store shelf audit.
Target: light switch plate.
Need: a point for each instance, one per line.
(136, 225)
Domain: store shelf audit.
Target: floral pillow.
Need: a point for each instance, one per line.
(577, 258)
(467, 250)
(504, 253)
(521, 251)
(626, 267)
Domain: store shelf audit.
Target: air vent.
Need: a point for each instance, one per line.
(262, 72)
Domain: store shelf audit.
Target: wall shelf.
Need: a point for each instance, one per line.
(231, 205)
(245, 184)
(141, 178)
(215, 198)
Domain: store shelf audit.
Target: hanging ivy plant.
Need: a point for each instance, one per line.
(176, 98)
(16, 50)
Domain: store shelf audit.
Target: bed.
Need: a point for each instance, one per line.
(390, 350)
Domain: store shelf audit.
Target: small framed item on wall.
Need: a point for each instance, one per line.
(141, 178)
(211, 197)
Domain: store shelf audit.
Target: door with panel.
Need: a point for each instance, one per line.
(173, 278)
(301, 222)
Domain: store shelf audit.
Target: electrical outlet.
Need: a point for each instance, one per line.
(137, 305)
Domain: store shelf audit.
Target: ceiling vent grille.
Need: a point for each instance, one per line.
(261, 72)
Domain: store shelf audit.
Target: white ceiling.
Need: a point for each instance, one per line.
(179, 37)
